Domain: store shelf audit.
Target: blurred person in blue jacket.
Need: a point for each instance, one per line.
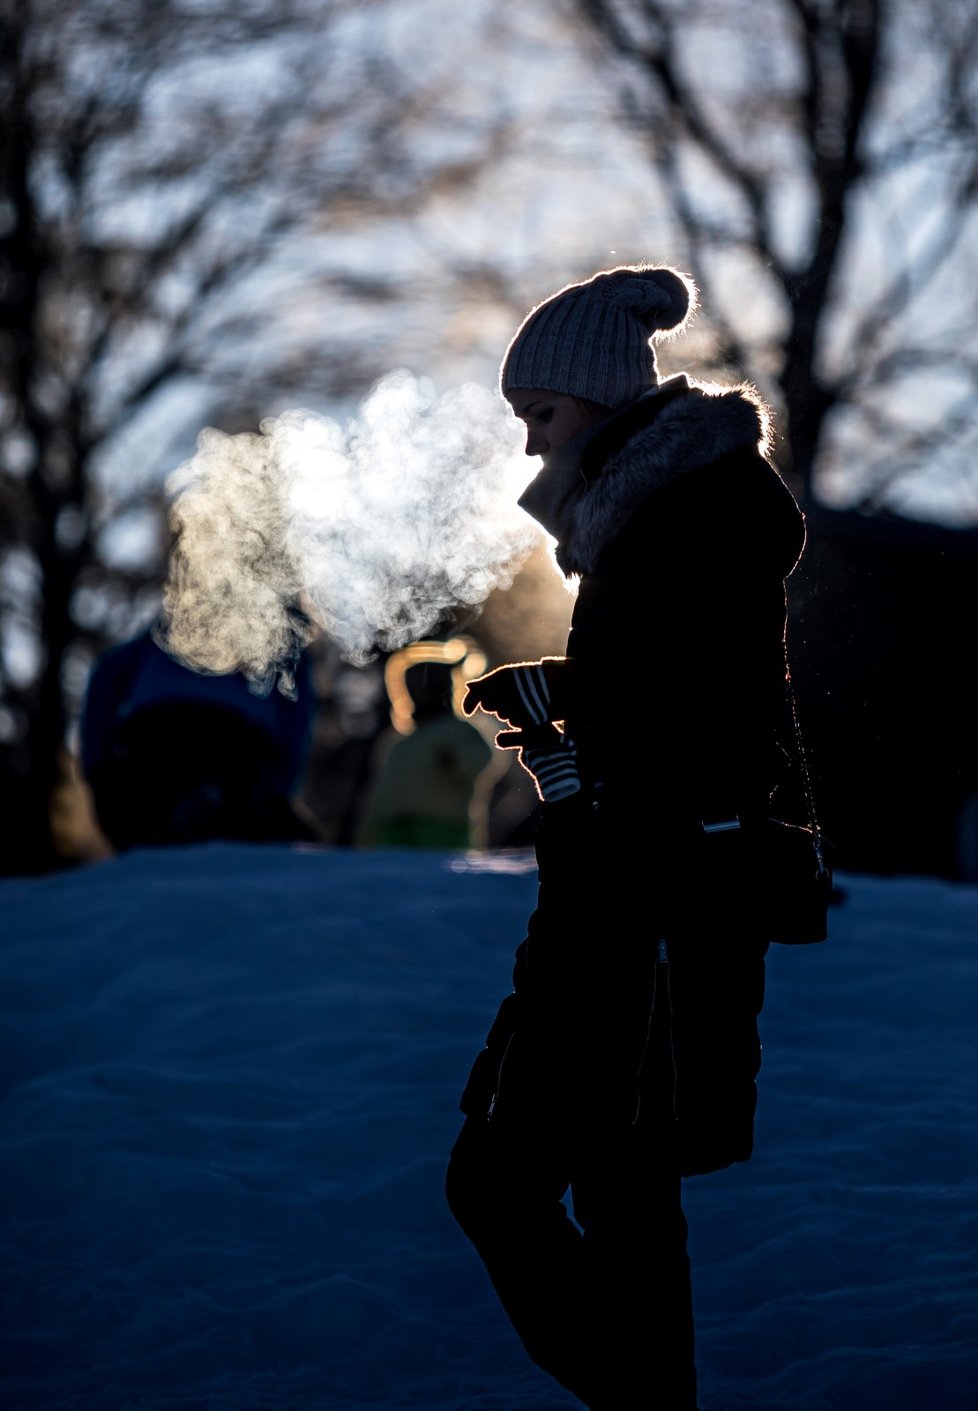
(175, 756)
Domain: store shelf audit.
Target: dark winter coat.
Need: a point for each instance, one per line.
(636, 991)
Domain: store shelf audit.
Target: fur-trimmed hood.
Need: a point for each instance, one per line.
(589, 488)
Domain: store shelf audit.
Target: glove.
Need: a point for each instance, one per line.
(518, 694)
(553, 769)
(548, 756)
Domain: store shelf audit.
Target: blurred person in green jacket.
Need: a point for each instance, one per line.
(431, 766)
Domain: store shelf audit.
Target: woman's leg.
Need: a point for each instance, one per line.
(626, 1199)
(604, 1305)
(504, 1187)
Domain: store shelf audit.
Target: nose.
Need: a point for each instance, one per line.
(536, 443)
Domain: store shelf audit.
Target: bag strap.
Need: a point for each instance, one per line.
(805, 775)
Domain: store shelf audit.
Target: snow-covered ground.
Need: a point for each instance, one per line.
(231, 1077)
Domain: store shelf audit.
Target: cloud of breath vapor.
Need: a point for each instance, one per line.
(371, 532)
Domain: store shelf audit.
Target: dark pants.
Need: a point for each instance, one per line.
(602, 1302)
(625, 1056)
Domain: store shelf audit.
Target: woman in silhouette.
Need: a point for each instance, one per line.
(625, 1057)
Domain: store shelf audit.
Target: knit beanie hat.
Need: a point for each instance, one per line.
(592, 340)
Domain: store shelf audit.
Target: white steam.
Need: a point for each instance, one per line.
(371, 532)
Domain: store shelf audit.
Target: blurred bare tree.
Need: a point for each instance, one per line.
(167, 169)
(820, 158)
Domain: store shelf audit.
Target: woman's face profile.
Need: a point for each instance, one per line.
(551, 418)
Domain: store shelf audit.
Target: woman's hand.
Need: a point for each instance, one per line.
(517, 694)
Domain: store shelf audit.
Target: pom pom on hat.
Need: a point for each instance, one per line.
(663, 296)
(593, 339)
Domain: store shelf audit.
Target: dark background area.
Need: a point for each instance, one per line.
(880, 612)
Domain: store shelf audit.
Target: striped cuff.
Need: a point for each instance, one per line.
(531, 684)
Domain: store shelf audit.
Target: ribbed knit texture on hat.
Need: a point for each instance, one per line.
(592, 340)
